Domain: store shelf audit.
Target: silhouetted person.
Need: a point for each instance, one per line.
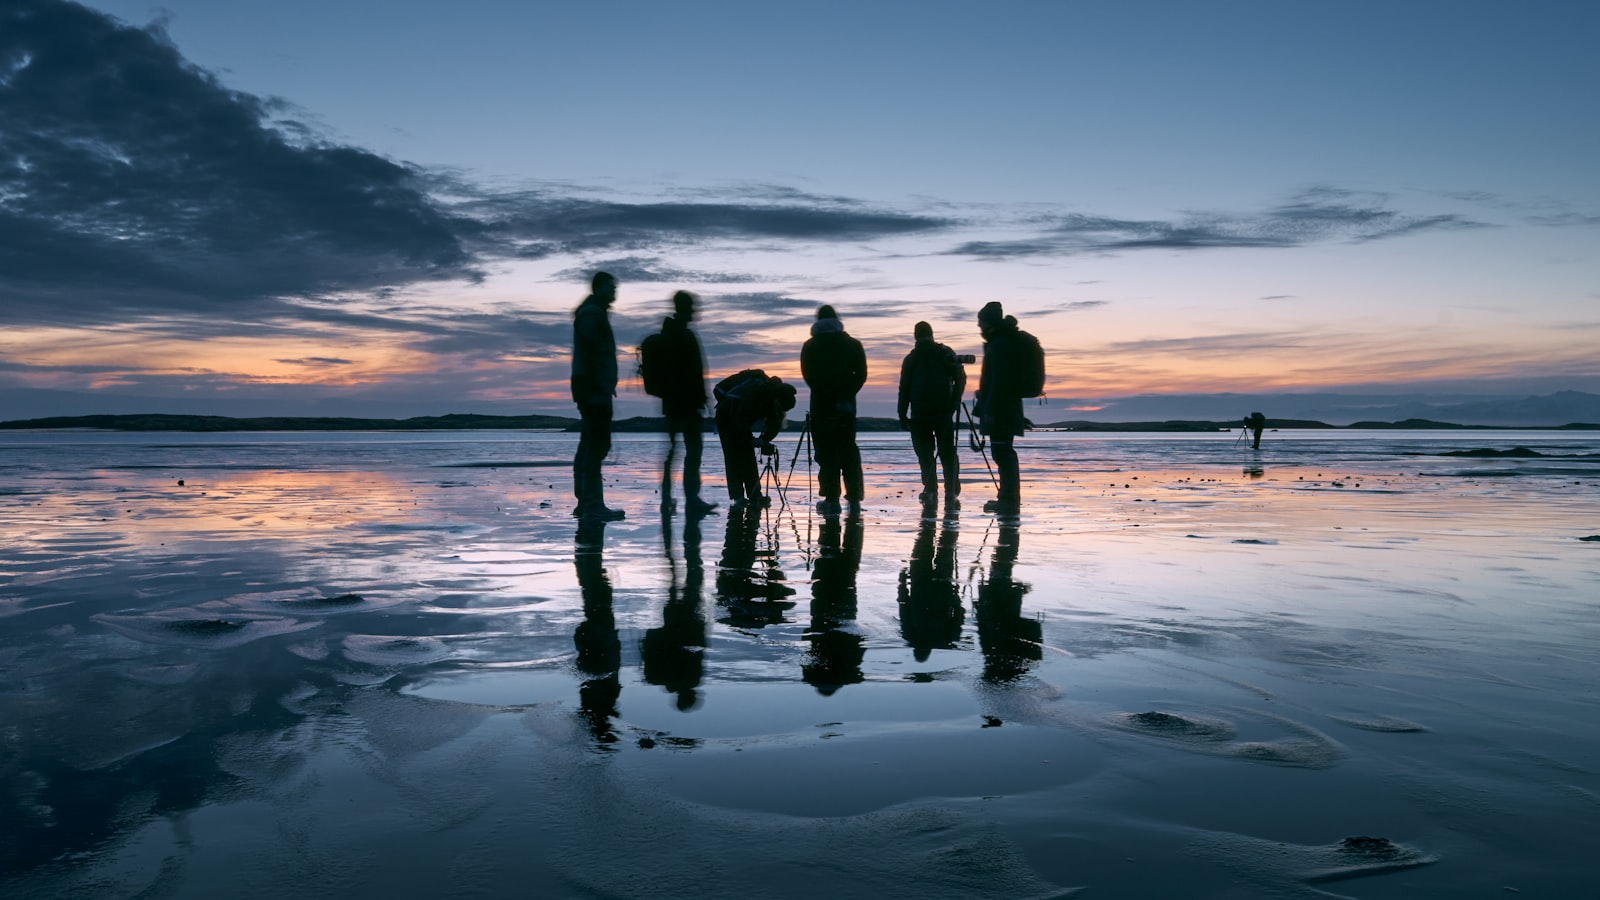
(931, 613)
(680, 381)
(932, 381)
(1011, 642)
(998, 401)
(1256, 422)
(599, 648)
(594, 384)
(836, 651)
(673, 655)
(744, 399)
(834, 366)
(750, 586)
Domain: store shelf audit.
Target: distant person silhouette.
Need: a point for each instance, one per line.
(1002, 385)
(1011, 642)
(673, 655)
(594, 384)
(1256, 422)
(599, 647)
(834, 366)
(837, 650)
(675, 371)
(932, 381)
(744, 399)
(931, 613)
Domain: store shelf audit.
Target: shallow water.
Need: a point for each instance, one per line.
(390, 664)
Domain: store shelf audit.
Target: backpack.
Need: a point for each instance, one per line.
(654, 363)
(1029, 366)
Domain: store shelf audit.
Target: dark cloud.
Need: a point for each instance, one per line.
(1322, 214)
(1076, 306)
(652, 269)
(131, 180)
(317, 361)
(135, 184)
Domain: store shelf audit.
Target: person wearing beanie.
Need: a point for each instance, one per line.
(932, 381)
(834, 367)
(997, 404)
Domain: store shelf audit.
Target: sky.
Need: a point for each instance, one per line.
(392, 208)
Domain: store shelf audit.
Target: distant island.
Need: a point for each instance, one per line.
(646, 424)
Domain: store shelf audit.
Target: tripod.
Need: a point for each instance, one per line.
(804, 441)
(976, 441)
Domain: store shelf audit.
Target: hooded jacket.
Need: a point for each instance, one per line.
(834, 366)
(931, 381)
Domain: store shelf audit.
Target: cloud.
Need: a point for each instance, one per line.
(652, 270)
(134, 184)
(131, 179)
(317, 361)
(1321, 214)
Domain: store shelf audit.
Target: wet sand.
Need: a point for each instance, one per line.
(1249, 677)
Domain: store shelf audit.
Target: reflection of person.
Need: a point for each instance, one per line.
(743, 399)
(749, 583)
(673, 655)
(998, 402)
(930, 600)
(594, 383)
(836, 651)
(932, 381)
(682, 399)
(834, 366)
(1010, 642)
(599, 648)
(1256, 422)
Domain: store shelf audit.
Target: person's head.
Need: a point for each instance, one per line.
(922, 331)
(782, 394)
(683, 304)
(603, 286)
(991, 316)
(825, 311)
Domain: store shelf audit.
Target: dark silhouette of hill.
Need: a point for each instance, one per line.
(637, 424)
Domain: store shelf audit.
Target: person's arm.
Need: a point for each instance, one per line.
(907, 369)
(860, 368)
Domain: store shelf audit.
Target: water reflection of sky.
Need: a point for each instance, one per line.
(152, 629)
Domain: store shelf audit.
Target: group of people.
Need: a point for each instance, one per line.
(833, 365)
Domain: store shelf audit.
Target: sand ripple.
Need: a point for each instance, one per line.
(200, 628)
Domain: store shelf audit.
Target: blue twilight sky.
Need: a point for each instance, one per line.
(391, 208)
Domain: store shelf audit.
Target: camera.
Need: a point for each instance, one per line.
(766, 447)
(966, 359)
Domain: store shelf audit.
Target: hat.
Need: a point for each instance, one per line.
(825, 311)
(991, 314)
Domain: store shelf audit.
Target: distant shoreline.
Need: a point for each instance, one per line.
(646, 424)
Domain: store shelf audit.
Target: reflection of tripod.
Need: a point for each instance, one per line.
(804, 441)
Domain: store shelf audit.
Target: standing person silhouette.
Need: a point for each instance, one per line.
(594, 384)
(932, 381)
(683, 398)
(998, 403)
(834, 366)
(1256, 422)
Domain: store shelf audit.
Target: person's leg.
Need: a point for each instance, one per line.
(693, 429)
(825, 435)
(666, 464)
(850, 464)
(1005, 463)
(944, 434)
(735, 440)
(594, 445)
(922, 442)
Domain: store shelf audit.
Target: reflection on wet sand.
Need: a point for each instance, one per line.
(598, 645)
(931, 613)
(837, 647)
(750, 585)
(1011, 642)
(672, 655)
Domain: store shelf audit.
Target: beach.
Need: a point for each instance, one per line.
(393, 664)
